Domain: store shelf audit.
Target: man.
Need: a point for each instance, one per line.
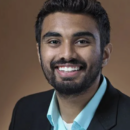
(73, 42)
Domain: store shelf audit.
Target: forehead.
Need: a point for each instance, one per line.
(68, 23)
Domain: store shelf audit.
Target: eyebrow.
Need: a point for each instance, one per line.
(78, 34)
(52, 34)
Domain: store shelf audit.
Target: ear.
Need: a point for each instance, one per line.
(38, 53)
(106, 54)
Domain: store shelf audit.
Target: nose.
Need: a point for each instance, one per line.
(67, 52)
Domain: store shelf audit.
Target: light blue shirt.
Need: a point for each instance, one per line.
(83, 119)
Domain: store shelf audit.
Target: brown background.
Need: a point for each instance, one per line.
(20, 72)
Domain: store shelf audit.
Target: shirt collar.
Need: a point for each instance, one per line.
(53, 111)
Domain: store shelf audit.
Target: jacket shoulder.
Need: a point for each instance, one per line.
(123, 112)
(36, 99)
(30, 111)
(124, 102)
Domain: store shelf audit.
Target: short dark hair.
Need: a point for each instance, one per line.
(92, 8)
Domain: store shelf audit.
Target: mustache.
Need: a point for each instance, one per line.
(72, 61)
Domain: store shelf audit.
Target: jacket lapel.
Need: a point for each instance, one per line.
(105, 116)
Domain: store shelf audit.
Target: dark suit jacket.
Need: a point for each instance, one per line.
(113, 112)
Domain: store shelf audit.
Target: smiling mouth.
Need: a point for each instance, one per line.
(68, 70)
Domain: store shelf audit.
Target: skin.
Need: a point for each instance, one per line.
(68, 46)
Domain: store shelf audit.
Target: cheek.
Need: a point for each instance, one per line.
(47, 56)
(90, 55)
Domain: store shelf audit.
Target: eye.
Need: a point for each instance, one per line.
(82, 42)
(53, 42)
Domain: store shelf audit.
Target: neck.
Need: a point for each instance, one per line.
(71, 106)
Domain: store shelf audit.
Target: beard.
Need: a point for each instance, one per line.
(68, 86)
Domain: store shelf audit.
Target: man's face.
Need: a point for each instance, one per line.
(70, 53)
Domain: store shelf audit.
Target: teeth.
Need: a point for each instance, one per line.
(69, 68)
